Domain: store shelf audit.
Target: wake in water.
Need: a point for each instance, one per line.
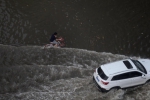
(30, 72)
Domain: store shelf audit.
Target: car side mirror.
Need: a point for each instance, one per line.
(143, 76)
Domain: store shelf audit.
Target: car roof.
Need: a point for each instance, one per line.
(117, 67)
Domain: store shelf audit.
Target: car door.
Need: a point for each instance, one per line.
(137, 78)
(123, 80)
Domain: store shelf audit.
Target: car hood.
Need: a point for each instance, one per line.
(146, 64)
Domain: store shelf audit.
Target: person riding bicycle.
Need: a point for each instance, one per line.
(54, 40)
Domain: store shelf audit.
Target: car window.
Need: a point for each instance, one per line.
(121, 76)
(127, 64)
(139, 66)
(135, 74)
(127, 75)
(102, 74)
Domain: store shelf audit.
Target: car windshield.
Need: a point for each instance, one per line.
(139, 66)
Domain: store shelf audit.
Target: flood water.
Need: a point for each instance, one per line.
(120, 27)
(95, 32)
(31, 72)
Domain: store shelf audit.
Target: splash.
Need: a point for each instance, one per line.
(30, 72)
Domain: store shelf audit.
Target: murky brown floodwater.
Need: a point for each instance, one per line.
(30, 72)
(109, 30)
(120, 27)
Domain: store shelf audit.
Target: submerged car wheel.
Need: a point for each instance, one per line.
(115, 88)
(148, 81)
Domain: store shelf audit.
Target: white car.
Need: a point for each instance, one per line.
(122, 74)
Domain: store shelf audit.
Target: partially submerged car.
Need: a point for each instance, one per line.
(122, 74)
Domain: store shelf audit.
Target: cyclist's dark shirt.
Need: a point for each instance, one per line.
(52, 38)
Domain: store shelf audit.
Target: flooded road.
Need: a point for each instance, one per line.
(95, 32)
(30, 72)
(120, 27)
